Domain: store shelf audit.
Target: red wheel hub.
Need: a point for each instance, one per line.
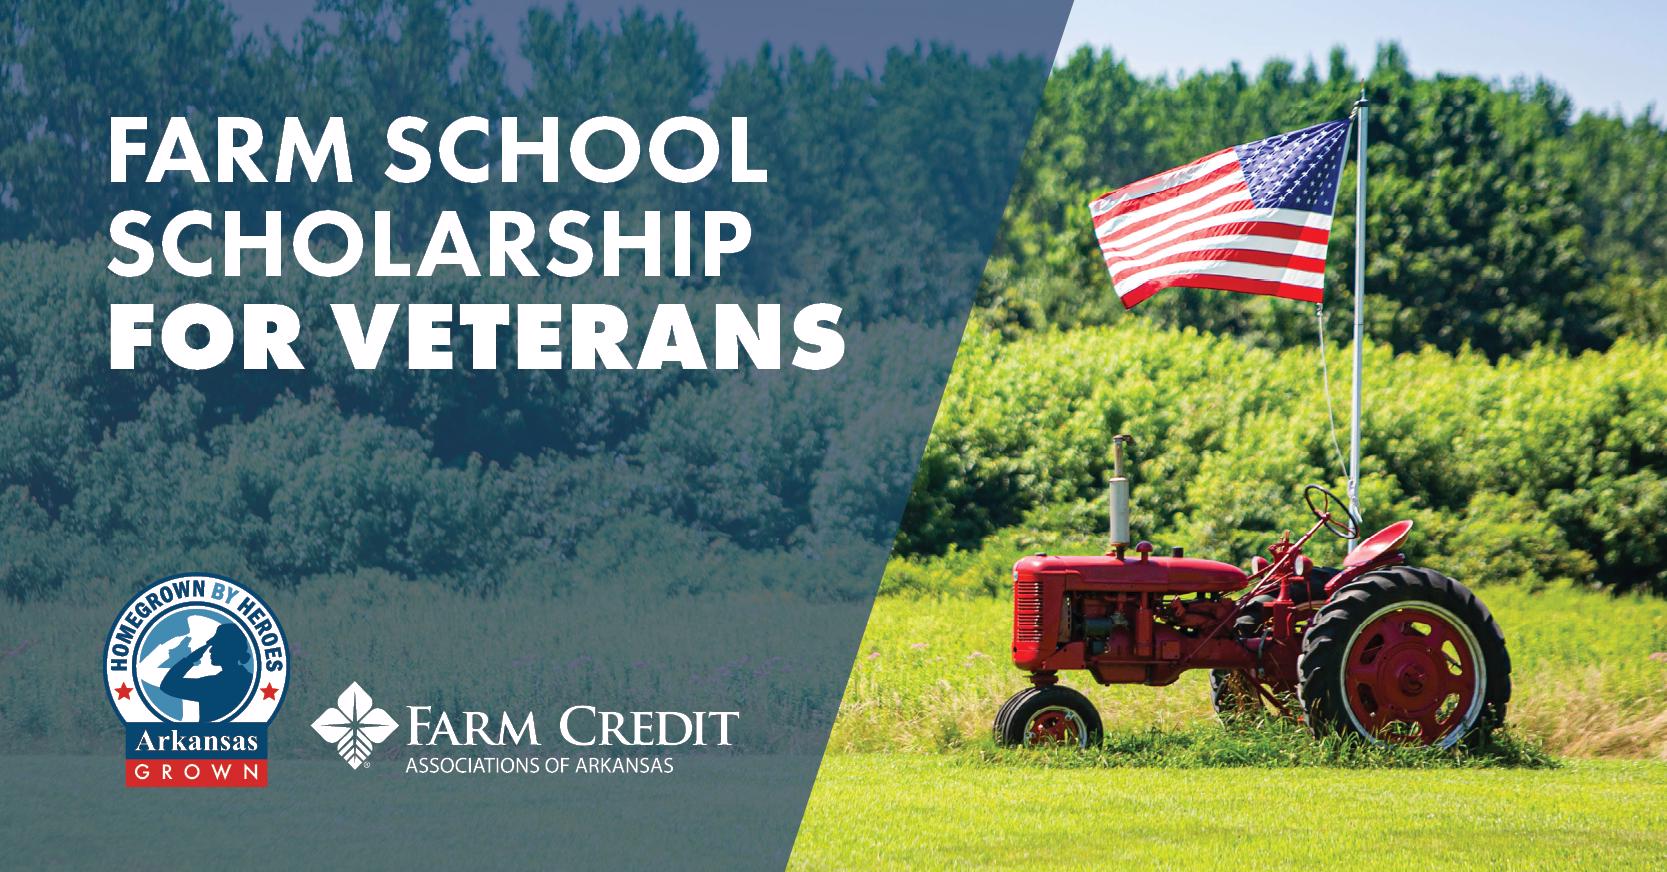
(1054, 724)
(1413, 673)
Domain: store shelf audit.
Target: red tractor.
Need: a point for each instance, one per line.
(1386, 651)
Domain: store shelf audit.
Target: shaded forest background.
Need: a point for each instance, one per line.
(1505, 226)
(883, 187)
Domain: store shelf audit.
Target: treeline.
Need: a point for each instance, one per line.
(1528, 470)
(1499, 217)
(1516, 402)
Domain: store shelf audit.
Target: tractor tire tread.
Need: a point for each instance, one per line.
(1001, 714)
(1015, 713)
(1322, 646)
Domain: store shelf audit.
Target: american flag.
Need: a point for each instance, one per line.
(1254, 218)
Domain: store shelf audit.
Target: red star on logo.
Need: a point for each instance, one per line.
(269, 691)
(124, 691)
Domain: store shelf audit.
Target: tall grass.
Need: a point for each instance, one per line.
(1588, 672)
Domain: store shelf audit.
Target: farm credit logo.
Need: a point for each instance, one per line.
(355, 725)
(481, 743)
(195, 666)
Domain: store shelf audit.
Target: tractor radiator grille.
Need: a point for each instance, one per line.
(1027, 611)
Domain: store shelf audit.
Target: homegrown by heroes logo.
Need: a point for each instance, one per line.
(196, 667)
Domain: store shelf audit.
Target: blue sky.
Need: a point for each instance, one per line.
(1607, 54)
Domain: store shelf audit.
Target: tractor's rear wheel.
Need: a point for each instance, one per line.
(1052, 715)
(1405, 655)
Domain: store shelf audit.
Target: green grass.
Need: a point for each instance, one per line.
(932, 671)
(914, 781)
(1271, 743)
(919, 811)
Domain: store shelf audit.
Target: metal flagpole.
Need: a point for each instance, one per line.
(1359, 305)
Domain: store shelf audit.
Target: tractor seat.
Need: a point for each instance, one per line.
(1378, 544)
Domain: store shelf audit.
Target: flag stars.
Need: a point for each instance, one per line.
(1295, 170)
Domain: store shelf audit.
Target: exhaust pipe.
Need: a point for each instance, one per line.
(1118, 496)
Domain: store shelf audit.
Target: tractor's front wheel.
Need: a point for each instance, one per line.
(1051, 715)
(1405, 655)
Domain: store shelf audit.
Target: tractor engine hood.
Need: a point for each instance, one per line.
(1153, 574)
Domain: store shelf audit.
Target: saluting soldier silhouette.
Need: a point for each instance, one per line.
(216, 694)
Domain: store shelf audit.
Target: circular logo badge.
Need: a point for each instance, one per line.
(196, 649)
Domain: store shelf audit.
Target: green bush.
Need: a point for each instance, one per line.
(1540, 468)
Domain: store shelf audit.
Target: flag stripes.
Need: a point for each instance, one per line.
(1252, 219)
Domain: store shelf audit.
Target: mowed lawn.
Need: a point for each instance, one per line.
(933, 811)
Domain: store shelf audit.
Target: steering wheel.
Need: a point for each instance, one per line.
(1330, 506)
